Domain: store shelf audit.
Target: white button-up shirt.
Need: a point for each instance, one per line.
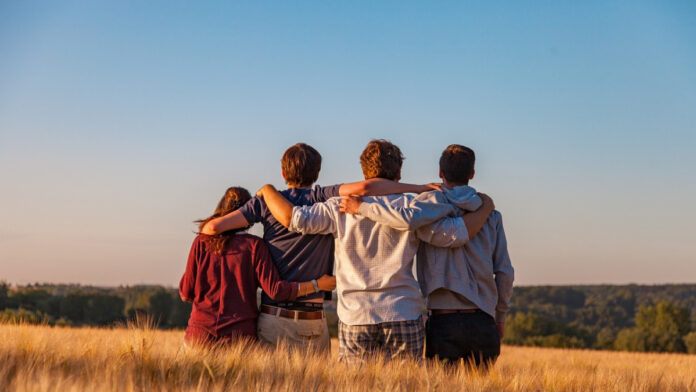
(374, 262)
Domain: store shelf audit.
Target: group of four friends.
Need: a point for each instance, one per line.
(368, 232)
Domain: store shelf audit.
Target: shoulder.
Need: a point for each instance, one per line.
(496, 218)
(252, 208)
(246, 242)
(200, 239)
(248, 238)
(323, 193)
(199, 243)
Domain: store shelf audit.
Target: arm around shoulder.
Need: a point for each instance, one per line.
(231, 221)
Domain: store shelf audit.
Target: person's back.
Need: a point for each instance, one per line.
(468, 288)
(473, 270)
(374, 263)
(298, 257)
(220, 285)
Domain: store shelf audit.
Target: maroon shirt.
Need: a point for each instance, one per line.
(223, 287)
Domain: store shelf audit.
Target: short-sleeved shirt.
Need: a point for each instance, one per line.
(299, 258)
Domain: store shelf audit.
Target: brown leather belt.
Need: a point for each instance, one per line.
(437, 312)
(292, 314)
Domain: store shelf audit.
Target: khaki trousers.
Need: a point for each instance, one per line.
(311, 335)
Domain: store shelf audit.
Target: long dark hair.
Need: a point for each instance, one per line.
(233, 198)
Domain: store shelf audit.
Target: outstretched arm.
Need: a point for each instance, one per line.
(231, 221)
(421, 211)
(381, 186)
(314, 219)
(279, 206)
(412, 218)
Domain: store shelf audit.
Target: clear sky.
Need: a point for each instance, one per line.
(121, 122)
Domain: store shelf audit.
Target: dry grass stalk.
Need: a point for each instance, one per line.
(138, 357)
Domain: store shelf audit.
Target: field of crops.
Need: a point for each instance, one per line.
(42, 358)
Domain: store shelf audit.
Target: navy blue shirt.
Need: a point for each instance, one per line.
(299, 258)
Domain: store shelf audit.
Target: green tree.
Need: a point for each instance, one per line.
(658, 328)
(4, 294)
(690, 342)
(180, 313)
(161, 304)
(632, 339)
(521, 326)
(605, 339)
(103, 309)
(72, 307)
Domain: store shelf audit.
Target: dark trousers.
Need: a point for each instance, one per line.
(472, 337)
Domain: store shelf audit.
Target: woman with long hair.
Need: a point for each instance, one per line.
(222, 274)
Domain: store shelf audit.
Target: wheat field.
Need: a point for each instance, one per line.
(42, 358)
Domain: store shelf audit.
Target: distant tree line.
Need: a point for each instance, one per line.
(660, 318)
(74, 305)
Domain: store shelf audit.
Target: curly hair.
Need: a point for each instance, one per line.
(381, 159)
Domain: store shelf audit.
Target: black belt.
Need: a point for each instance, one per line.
(438, 312)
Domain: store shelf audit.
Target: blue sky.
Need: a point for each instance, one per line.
(121, 122)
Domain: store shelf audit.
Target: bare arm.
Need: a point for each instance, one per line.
(279, 206)
(381, 186)
(475, 220)
(325, 283)
(233, 220)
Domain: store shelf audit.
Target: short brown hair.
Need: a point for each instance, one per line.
(381, 159)
(301, 164)
(457, 163)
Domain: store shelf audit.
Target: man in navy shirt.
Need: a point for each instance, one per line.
(300, 323)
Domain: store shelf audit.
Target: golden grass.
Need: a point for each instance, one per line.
(41, 358)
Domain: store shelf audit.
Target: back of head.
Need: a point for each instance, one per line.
(457, 164)
(301, 164)
(381, 159)
(233, 198)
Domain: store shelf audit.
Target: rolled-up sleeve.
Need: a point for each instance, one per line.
(315, 219)
(504, 273)
(445, 233)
